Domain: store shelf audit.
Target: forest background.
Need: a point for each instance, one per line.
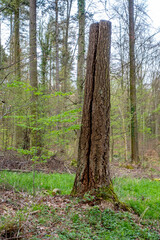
(41, 117)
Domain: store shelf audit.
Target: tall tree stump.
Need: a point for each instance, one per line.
(93, 154)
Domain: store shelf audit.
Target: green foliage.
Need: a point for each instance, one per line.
(88, 197)
(141, 194)
(45, 214)
(24, 181)
(33, 154)
(89, 222)
(56, 128)
(96, 224)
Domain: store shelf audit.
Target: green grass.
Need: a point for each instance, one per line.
(96, 224)
(24, 181)
(143, 195)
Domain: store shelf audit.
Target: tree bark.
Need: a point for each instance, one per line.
(44, 45)
(35, 134)
(57, 47)
(0, 40)
(18, 132)
(81, 49)
(93, 156)
(134, 127)
(33, 45)
(17, 40)
(65, 62)
(11, 40)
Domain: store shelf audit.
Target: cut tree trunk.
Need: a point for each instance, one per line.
(93, 173)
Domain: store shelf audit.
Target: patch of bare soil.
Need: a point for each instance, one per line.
(128, 170)
(11, 160)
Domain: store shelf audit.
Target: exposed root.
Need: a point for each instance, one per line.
(107, 194)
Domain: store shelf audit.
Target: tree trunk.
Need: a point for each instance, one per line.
(134, 128)
(50, 69)
(11, 40)
(65, 62)
(0, 40)
(18, 132)
(57, 48)
(81, 49)
(44, 44)
(33, 45)
(124, 134)
(35, 134)
(93, 156)
(17, 41)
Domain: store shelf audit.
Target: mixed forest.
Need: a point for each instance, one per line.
(42, 68)
(80, 96)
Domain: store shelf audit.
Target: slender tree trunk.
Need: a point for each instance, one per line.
(57, 47)
(134, 128)
(124, 134)
(11, 39)
(156, 92)
(44, 64)
(112, 144)
(66, 52)
(18, 132)
(81, 49)
(33, 45)
(93, 157)
(0, 40)
(45, 53)
(17, 40)
(35, 134)
(50, 69)
(44, 44)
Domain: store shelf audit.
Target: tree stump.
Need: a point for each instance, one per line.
(93, 174)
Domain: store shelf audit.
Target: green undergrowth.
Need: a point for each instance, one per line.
(46, 222)
(24, 181)
(96, 224)
(142, 195)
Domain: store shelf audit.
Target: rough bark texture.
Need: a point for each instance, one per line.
(81, 49)
(93, 156)
(134, 128)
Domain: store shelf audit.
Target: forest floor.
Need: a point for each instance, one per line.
(150, 168)
(64, 218)
(23, 216)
